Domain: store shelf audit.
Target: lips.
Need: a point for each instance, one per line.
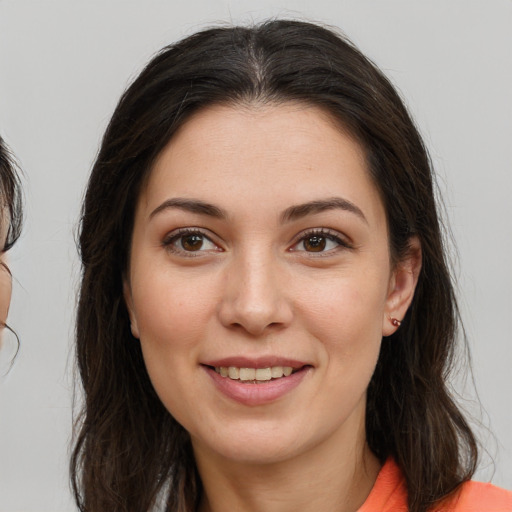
(275, 377)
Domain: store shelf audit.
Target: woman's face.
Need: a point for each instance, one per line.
(260, 248)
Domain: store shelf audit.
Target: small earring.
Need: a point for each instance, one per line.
(395, 322)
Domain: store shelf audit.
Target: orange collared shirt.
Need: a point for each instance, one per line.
(389, 494)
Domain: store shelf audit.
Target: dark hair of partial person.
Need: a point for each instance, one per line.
(10, 196)
(128, 450)
(11, 208)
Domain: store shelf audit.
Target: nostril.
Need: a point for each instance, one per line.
(254, 309)
(256, 328)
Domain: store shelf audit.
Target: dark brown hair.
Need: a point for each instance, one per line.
(10, 196)
(10, 206)
(129, 450)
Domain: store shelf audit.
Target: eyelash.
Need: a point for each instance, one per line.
(175, 236)
(321, 233)
(171, 240)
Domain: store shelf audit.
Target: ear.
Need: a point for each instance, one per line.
(127, 293)
(402, 285)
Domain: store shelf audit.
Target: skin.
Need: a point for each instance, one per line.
(5, 278)
(257, 288)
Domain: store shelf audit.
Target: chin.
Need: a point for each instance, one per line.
(256, 452)
(261, 443)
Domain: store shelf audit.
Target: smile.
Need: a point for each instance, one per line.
(254, 383)
(254, 375)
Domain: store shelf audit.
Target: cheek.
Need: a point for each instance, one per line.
(346, 302)
(169, 326)
(171, 309)
(345, 316)
(5, 294)
(172, 314)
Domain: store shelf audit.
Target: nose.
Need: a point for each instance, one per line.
(254, 297)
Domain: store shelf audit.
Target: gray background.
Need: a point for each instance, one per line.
(64, 64)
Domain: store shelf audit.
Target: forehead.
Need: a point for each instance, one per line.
(263, 153)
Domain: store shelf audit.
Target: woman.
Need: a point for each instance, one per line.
(266, 318)
(10, 224)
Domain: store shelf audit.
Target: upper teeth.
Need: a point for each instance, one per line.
(274, 372)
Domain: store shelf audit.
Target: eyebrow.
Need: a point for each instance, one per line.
(292, 213)
(334, 203)
(190, 205)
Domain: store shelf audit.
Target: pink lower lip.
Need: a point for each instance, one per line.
(256, 394)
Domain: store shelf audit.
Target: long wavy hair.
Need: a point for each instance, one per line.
(10, 196)
(129, 452)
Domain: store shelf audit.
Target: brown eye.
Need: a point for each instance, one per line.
(315, 243)
(189, 242)
(192, 242)
(320, 241)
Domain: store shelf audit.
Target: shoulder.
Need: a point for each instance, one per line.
(478, 497)
(389, 494)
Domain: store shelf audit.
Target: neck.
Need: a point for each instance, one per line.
(321, 479)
